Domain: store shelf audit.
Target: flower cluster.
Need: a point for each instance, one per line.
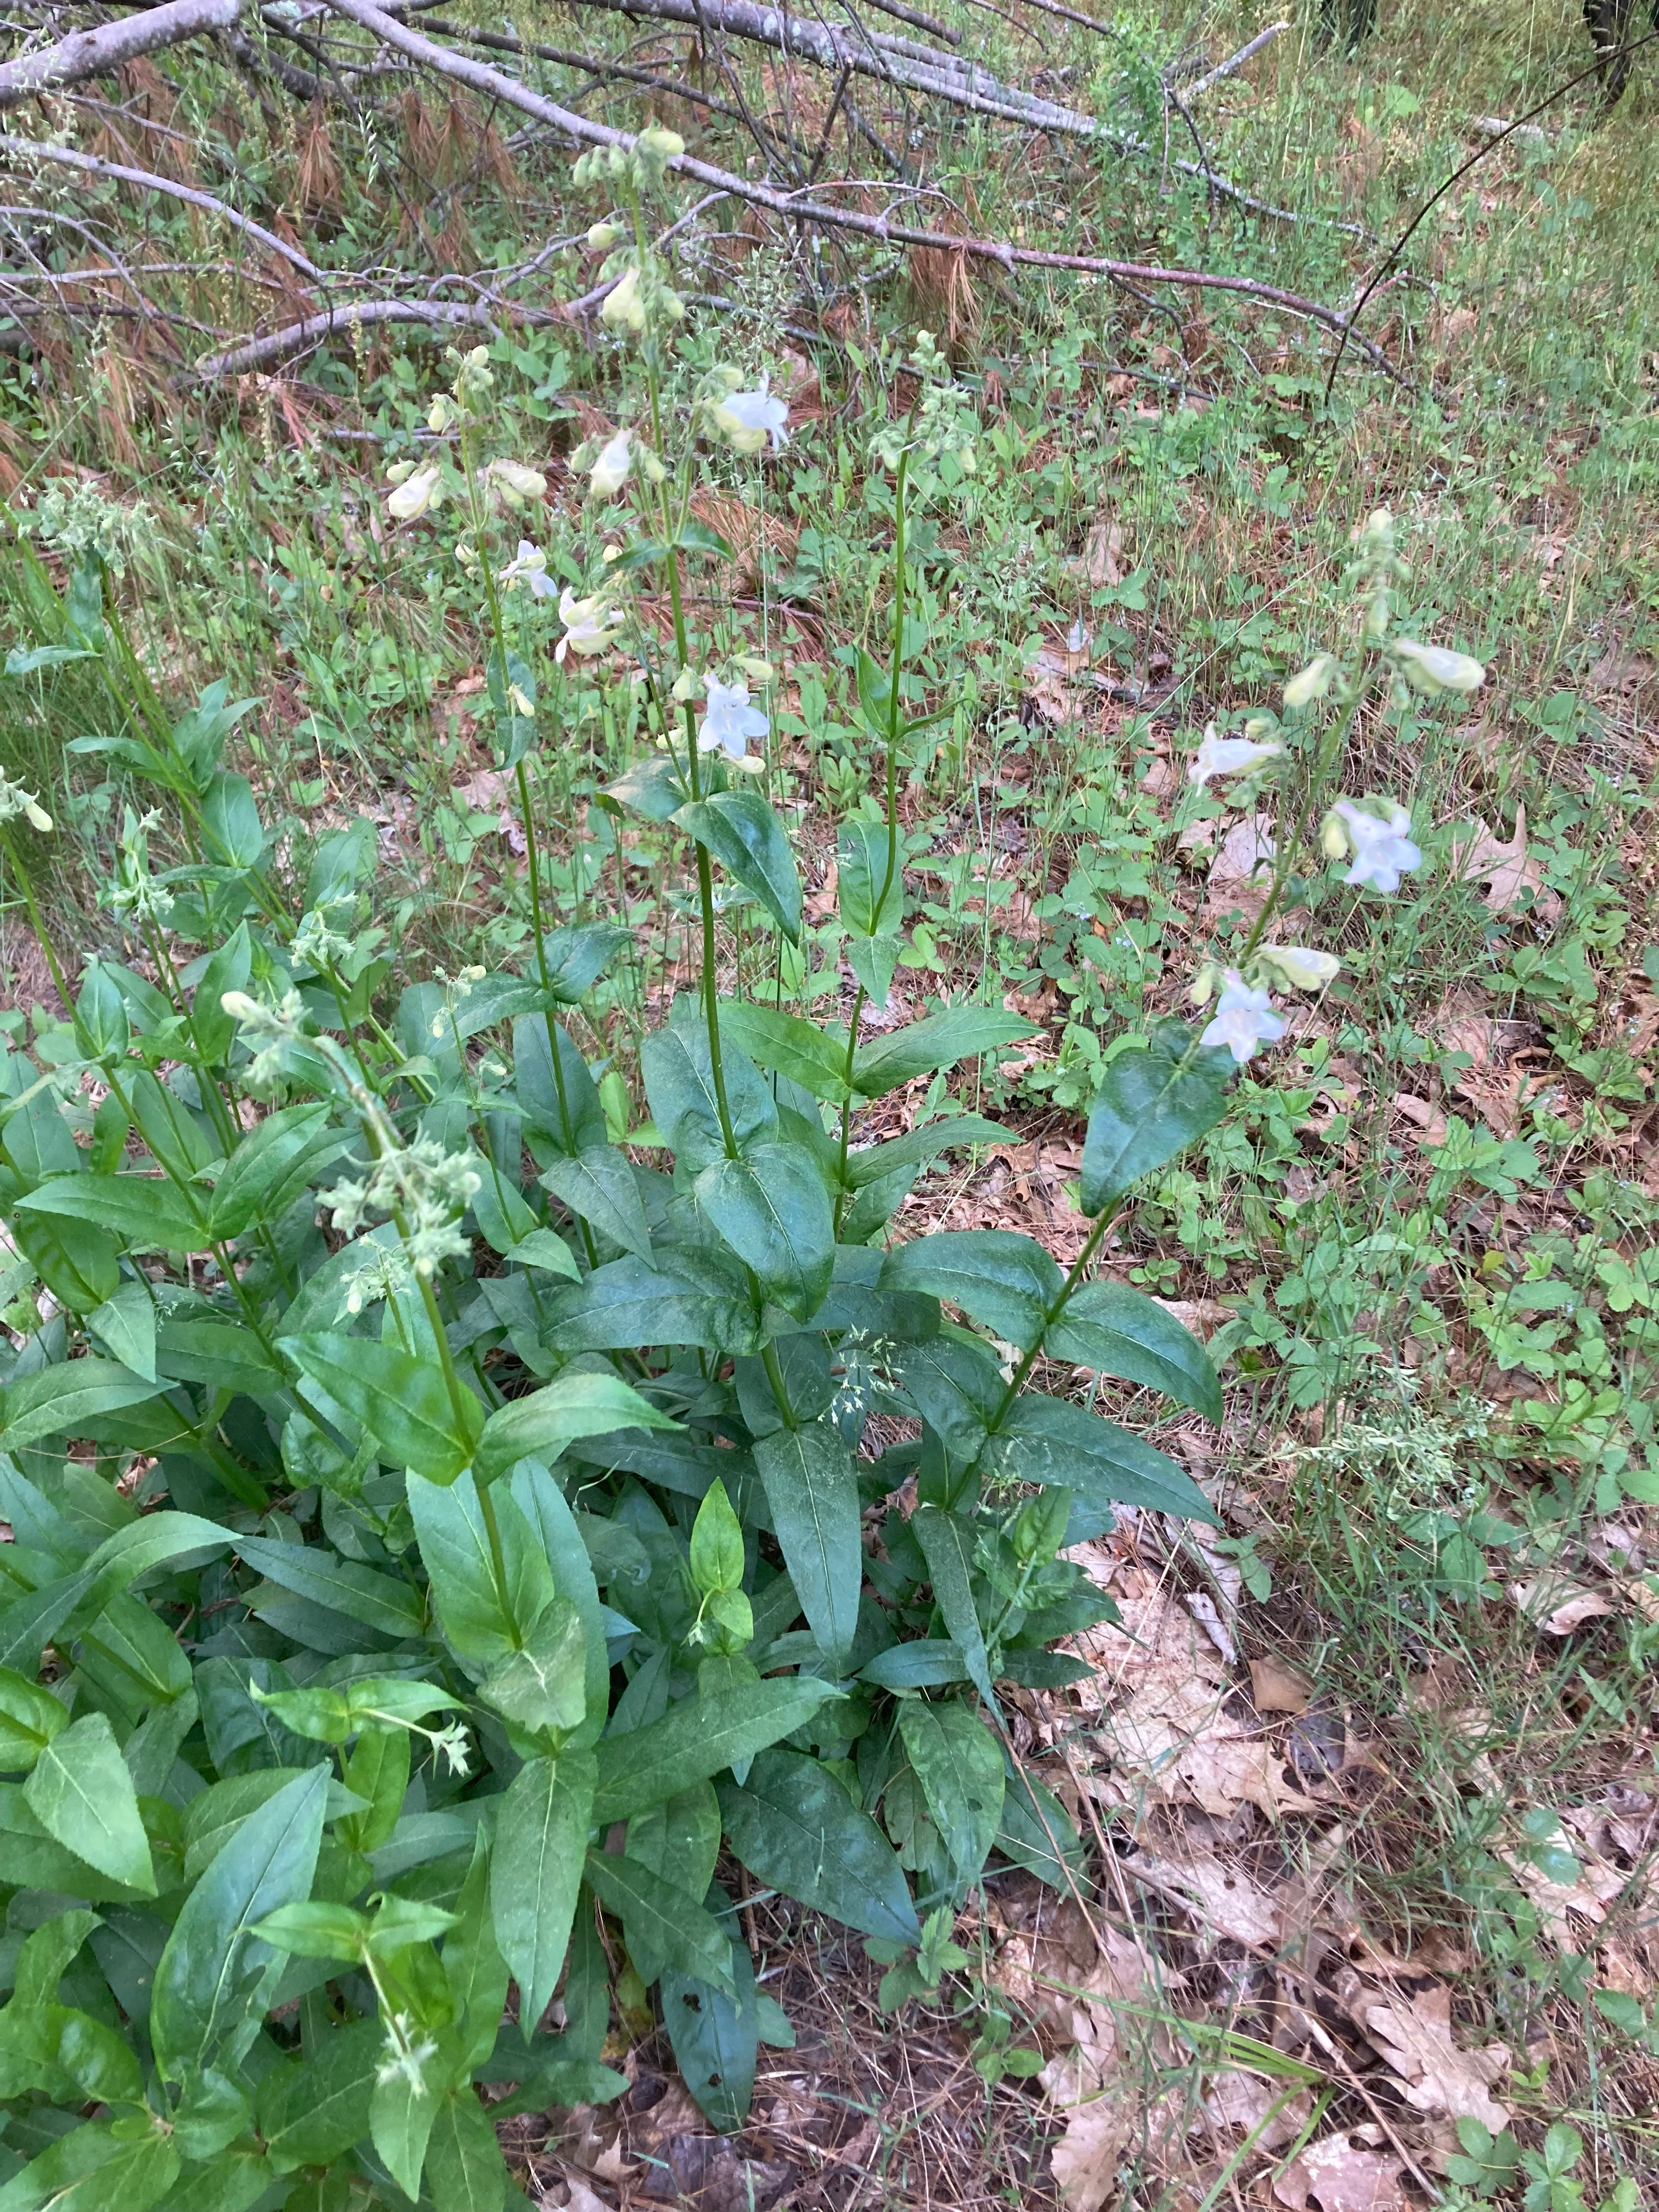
(133, 892)
(16, 801)
(273, 1032)
(941, 423)
(424, 1187)
(78, 522)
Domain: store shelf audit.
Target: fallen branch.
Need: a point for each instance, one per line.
(797, 208)
(35, 149)
(899, 62)
(297, 338)
(95, 53)
(1237, 61)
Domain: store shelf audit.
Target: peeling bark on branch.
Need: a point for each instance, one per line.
(96, 52)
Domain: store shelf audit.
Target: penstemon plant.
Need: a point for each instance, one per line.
(441, 1535)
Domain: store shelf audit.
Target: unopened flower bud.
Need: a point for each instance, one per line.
(1434, 669)
(602, 236)
(1314, 681)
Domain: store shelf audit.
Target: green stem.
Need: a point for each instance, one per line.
(26, 885)
(1329, 751)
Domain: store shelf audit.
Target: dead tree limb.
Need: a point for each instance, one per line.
(297, 338)
(25, 150)
(800, 208)
(96, 52)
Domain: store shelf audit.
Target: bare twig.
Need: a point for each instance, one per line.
(25, 150)
(96, 52)
(797, 207)
(281, 345)
(594, 65)
(1237, 61)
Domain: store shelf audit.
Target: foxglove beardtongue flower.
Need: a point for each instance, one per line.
(15, 800)
(529, 569)
(1227, 756)
(513, 483)
(747, 419)
(1314, 681)
(1381, 850)
(589, 624)
(731, 721)
(1434, 669)
(421, 489)
(1298, 967)
(1244, 1020)
(609, 471)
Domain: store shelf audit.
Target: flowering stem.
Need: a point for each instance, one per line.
(1335, 738)
(895, 669)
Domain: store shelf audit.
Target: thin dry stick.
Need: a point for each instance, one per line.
(25, 150)
(796, 208)
(1237, 61)
(97, 52)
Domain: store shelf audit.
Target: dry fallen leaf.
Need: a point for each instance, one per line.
(1244, 2100)
(1556, 1606)
(1223, 1898)
(1413, 2034)
(1277, 1688)
(1339, 2177)
(1509, 871)
(1100, 2099)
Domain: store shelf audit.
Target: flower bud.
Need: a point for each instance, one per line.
(1434, 669)
(609, 471)
(1204, 985)
(515, 481)
(1334, 836)
(1314, 681)
(1297, 967)
(660, 144)
(688, 685)
(602, 236)
(624, 308)
(439, 414)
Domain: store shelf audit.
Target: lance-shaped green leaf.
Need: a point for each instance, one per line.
(922, 1146)
(716, 2038)
(811, 1489)
(362, 1594)
(958, 1763)
(92, 2169)
(569, 1123)
(1153, 1101)
(771, 1206)
(599, 1185)
(939, 1041)
(864, 851)
(214, 1978)
(402, 1401)
(576, 955)
(660, 1920)
(473, 1966)
(553, 1526)
(272, 1166)
(1051, 1440)
(310, 2113)
(813, 1057)
(60, 1401)
(748, 839)
(541, 1835)
(465, 2169)
(178, 1540)
(1005, 1280)
(488, 1589)
(144, 1211)
(697, 1738)
(1122, 1332)
(793, 1826)
(543, 1686)
(540, 1426)
(626, 1303)
(81, 1792)
(947, 1545)
(29, 1719)
(679, 1085)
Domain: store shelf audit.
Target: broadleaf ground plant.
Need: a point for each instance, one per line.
(441, 1535)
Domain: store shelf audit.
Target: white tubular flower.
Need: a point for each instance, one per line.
(417, 492)
(609, 471)
(405, 2053)
(730, 721)
(1227, 756)
(1314, 681)
(15, 800)
(589, 624)
(1298, 968)
(1435, 669)
(514, 483)
(529, 569)
(624, 305)
(747, 419)
(1381, 850)
(1244, 1020)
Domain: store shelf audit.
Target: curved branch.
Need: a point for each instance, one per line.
(36, 149)
(801, 208)
(94, 53)
(295, 337)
